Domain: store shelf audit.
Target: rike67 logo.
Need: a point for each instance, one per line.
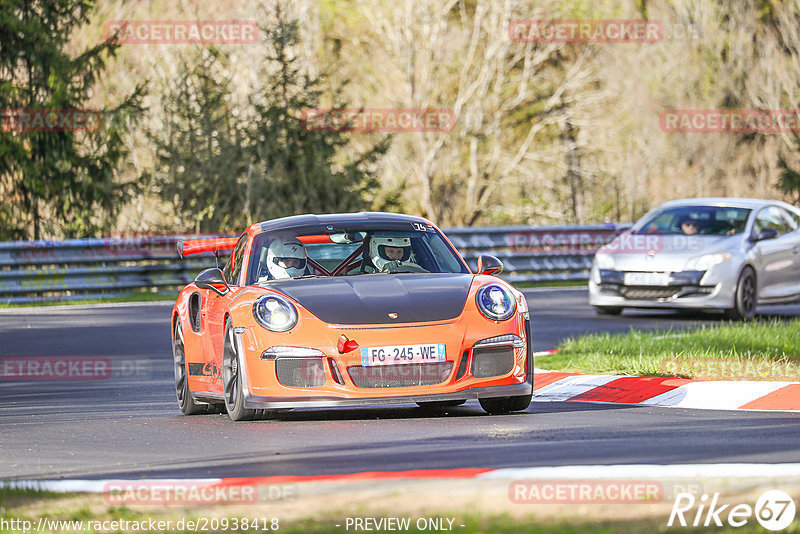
(774, 510)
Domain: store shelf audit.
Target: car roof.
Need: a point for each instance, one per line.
(340, 220)
(752, 203)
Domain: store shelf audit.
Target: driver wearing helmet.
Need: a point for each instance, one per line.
(390, 253)
(286, 258)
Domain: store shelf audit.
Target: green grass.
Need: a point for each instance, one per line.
(137, 296)
(761, 350)
(11, 495)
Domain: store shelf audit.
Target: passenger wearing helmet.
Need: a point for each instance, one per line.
(389, 254)
(286, 258)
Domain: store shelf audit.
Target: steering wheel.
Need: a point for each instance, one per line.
(395, 266)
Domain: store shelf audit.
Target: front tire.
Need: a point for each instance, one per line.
(745, 297)
(233, 382)
(232, 378)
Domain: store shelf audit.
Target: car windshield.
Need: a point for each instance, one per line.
(694, 220)
(352, 252)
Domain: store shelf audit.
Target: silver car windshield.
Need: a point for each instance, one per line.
(695, 220)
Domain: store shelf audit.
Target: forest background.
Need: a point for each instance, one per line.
(211, 137)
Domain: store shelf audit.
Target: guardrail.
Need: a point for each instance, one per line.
(75, 269)
(536, 253)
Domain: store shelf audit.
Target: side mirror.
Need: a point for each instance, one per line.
(769, 233)
(489, 265)
(210, 279)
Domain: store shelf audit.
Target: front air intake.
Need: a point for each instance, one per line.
(462, 367)
(492, 361)
(300, 372)
(400, 376)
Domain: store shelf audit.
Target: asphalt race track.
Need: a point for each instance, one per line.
(128, 425)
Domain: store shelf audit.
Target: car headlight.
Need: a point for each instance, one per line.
(496, 302)
(275, 313)
(706, 261)
(604, 261)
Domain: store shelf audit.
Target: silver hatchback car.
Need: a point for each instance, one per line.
(707, 253)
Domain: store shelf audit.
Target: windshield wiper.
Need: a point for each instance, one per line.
(293, 278)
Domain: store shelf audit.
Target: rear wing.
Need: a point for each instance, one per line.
(212, 244)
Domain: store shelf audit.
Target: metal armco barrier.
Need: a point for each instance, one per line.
(536, 253)
(75, 269)
(35, 271)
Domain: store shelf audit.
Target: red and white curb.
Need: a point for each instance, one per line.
(665, 391)
(564, 472)
(550, 386)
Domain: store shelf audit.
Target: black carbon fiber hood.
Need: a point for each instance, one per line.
(369, 299)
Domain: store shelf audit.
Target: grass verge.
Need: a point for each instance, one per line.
(760, 350)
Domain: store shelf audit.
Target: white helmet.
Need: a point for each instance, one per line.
(377, 250)
(286, 258)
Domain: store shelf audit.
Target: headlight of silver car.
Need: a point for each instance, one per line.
(496, 302)
(706, 261)
(604, 261)
(275, 313)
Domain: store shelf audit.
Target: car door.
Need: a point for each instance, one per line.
(793, 238)
(216, 308)
(774, 257)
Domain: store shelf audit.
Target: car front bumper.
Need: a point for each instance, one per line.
(713, 289)
(335, 383)
(260, 402)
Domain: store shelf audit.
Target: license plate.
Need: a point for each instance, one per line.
(402, 354)
(646, 279)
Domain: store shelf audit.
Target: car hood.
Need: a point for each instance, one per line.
(371, 298)
(663, 252)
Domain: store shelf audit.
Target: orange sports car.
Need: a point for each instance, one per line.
(347, 309)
